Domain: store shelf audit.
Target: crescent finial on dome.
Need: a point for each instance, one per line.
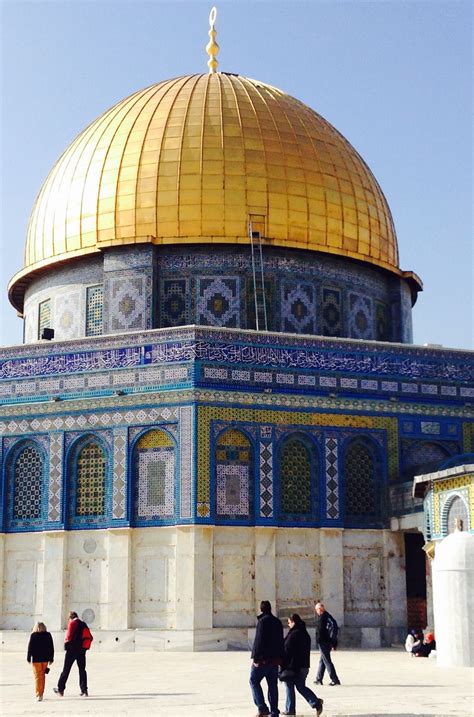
(212, 47)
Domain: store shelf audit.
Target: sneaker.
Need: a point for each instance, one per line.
(85, 693)
(39, 698)
(334, 683)
(319, 708)
(318, 682)
(58, 692)
(289, 713)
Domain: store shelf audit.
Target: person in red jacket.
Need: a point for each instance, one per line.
(75, 652)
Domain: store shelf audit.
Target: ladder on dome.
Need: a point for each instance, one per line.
(260, 302)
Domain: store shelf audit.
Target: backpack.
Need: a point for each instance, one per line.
(86, 637)
(333, 630)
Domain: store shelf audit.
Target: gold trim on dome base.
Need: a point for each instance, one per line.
(189, 159)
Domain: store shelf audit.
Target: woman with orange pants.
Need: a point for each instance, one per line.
(40, 653)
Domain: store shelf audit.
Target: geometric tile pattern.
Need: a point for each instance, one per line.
(94, 310)
(174, 302)
(267, 414)
(251, 293)
(119, 481)
(55, 476)
(89, 421)
(232, 489)
(128, 301)
(186, 460)
(266, 472)
(67, 314)
(296, 465)
(298, 308)
(90, 486)
(360, 316)
(28, 484)
(382, 325)
(332, 478)
(154, 476)
(331, 312)
(44, 316)
(423, 456)
(233, 455)
(360, 482)
(218, 301)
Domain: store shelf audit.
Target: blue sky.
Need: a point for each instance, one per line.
(394, 77)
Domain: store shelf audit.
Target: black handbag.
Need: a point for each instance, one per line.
(287, 674)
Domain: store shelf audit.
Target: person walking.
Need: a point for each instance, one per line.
(41, 654)
(326, 638)
(75, 652)
(296, 659)
(267, 655)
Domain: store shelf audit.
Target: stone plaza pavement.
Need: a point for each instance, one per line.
(183, 684)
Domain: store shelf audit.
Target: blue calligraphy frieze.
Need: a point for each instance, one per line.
(242, 349)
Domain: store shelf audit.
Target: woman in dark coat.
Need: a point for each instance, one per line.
(296, 659)
(40, 653)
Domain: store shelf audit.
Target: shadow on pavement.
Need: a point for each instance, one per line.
(135, 696)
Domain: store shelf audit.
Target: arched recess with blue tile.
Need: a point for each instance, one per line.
(455, 507)
(298, 468)
(363, 483)
(26, 466)
(234, 468)
(153, 489)
(89, 474)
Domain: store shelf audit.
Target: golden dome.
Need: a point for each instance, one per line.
(190, 160)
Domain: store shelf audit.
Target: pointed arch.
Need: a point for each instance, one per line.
(455, 508)
(362, 471)
(26, 476)
(154, 485)
(88, 468)
(234, 465)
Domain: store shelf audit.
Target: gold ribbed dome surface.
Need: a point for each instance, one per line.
(188, 160)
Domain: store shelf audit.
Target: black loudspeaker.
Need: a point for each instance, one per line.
(47, 334)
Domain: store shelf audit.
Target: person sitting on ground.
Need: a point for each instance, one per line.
(424, 647)
(412, 637)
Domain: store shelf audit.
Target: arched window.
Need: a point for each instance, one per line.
(234, 461)
(423, 457)
(297, 465)
(362, 483)
(90, 484)
(457, 510)
(27, 485)
(154, 490)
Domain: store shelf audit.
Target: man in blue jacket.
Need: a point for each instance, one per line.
(267, 655)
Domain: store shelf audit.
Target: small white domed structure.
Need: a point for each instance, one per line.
(453, 598)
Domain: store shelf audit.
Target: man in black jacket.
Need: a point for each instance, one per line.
(267, 655)
(326, 638)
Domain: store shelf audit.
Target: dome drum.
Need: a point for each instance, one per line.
(146, 287)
